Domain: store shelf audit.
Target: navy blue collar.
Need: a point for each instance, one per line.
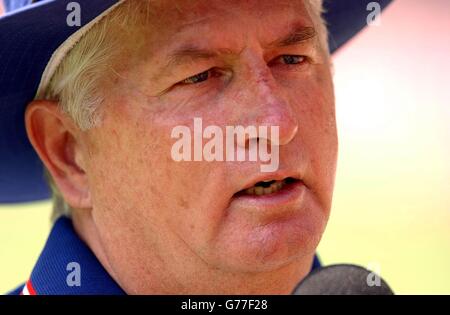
(63, 253)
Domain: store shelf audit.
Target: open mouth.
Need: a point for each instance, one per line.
(268, 187)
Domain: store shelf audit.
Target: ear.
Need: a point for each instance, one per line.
(56, 139)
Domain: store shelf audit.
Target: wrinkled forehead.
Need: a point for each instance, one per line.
(179, 17)
(198, 10)
(171, 23)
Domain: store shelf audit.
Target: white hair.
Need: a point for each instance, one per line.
(76, 83)
(316, 10)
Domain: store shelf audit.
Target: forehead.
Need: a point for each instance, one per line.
(196, 10)
(174, 21)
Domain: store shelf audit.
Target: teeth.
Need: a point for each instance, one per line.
(259, 191)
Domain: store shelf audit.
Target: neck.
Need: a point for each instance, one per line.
(188, 276)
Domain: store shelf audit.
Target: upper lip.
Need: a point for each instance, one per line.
(280, 175)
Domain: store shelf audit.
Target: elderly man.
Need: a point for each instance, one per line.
(112, 82)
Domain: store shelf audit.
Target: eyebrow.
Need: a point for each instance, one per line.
(190, 52)
(296, 36)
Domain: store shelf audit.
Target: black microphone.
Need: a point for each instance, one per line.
(342, 279)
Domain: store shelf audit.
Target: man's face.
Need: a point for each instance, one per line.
(150, 208)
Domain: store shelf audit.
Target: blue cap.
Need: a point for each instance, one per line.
(31, 31)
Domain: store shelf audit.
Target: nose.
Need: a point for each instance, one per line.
(262, 103)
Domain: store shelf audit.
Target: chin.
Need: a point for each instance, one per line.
(291, 241)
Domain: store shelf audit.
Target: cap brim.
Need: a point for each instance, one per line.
(30, 36)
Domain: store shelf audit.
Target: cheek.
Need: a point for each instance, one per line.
(121, 175)
(135, 179)
(126, 163)
(314, 104)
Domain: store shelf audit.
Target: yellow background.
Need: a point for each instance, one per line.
(391, 209)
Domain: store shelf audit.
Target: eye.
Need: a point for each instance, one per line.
(195, 79)
(292, 59)
(289, 59)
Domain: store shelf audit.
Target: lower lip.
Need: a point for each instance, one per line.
(289, 195)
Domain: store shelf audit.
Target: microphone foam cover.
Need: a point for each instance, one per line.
(342, 279)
